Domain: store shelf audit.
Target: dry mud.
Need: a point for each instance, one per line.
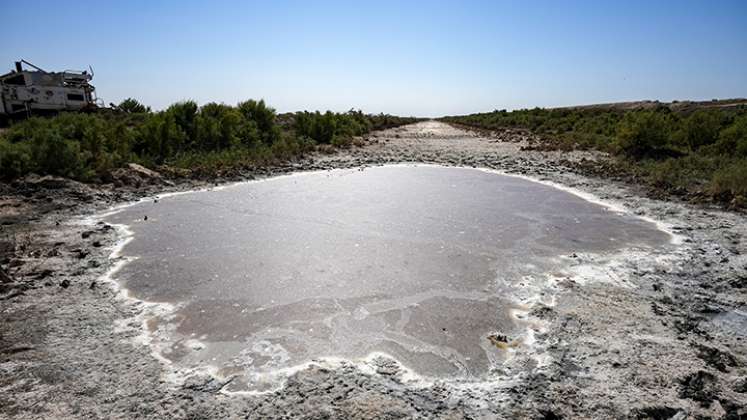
(660, 335)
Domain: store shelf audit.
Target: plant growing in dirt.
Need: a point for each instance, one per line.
(132, 106)
(643, 135)
(701, 151)
(213, 137)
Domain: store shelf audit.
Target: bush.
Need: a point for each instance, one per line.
(316, 126)
(132, 106)
(215, 136)
(703, 151)
(339, 129)
(79, 146)
(730, 182)
(15, 159)
(701, 128)
(641, 135)
(185, 117)
(732, 140)
(262, 118)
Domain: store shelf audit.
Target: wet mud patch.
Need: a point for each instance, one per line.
(429, 265)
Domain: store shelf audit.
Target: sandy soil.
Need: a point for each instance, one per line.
(641, 336)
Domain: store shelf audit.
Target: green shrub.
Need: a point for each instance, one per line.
(132, 106)
(703, 151)
(641, 135)
(213, 137)
(185, 116)
(316, 126)
(701, 128)
(730, 182)
(15, 159)
(332, 128)
(263, 119)
(732, 140)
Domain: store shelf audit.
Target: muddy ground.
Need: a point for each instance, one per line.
(655, 336)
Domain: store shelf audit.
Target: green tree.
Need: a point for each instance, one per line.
(263, 117)
(640, 134)
(185, 116)
(732, 140)
(132, 106)
(701, 128)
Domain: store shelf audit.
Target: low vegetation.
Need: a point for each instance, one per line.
(700, 152)
(208, 138)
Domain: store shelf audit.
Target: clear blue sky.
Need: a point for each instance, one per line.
(406, 57)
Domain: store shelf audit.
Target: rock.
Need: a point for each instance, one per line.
(542, 312)
(698, 386)
(660, 412)
(690, 324)
(80, 253)
(386, 366)
(173, 172)
(741, 386)
(706, 308)
(206, 383)
(716, 358)
(549, 415)
(136, 175)
(17, 349)
(54, 252)
(7, 248)
(50, 182)
(739, 282)
(143, 171)
(5, 277)
(658, 310)
(734, 410)
(65, 283)
(105, 227)
(499, 340)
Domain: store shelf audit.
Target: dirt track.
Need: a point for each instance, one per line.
(654, 336)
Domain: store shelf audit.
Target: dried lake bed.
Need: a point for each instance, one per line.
(435, 267)
(637, 330)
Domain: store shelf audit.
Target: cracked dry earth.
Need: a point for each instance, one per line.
(642, 335)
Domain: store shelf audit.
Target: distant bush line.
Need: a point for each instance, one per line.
(87, 147)
(701, 152)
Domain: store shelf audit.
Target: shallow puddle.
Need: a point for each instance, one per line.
(419, 262)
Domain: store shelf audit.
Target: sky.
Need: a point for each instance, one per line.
(423, 58)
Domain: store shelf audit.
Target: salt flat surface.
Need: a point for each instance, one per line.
(421, 263)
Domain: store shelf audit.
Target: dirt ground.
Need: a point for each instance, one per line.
(644, 336)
